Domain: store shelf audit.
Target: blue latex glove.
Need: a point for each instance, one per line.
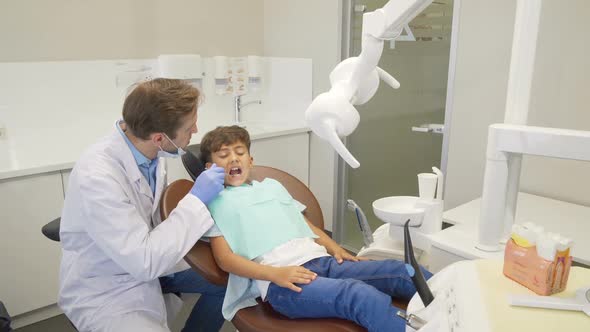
(209, 184)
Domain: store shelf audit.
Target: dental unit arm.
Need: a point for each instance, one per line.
(355, 80)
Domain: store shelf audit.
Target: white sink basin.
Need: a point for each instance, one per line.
(398, 209)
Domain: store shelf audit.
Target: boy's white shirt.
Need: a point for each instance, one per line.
(293, 253)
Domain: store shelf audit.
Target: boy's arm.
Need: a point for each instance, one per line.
(339, 253)
(286, 276)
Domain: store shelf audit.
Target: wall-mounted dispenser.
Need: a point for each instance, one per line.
(221, 75)
(187, 67)
(254, 76)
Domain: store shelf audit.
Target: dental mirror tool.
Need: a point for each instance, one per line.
(580, 302)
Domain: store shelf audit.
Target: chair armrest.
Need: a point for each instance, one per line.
(201, 259)
(51, 229)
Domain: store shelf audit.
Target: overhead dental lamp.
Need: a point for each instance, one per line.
(354, 81)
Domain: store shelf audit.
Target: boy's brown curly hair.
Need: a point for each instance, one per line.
(216, 138)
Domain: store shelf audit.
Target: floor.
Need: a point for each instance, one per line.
(61, 324)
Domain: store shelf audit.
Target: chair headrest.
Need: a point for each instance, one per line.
(193, 164)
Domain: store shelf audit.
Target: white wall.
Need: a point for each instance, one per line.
(309, 29)
(558, 98)
(479, 92)
(39, 30)
(36, 30)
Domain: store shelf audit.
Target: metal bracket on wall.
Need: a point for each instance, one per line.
(435, 128)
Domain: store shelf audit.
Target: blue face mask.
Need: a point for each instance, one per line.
(166, 154)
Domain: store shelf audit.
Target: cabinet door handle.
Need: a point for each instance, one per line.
(435, 128)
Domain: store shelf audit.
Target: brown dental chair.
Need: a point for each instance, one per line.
(260, 317)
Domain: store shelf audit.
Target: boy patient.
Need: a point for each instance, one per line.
(272, 251)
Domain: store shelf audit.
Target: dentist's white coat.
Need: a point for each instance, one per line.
(112, 252)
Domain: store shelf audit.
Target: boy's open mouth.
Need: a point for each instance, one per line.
(235, 171)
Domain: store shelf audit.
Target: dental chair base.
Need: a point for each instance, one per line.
(385, 246)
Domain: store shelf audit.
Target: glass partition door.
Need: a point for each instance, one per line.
(389, 143)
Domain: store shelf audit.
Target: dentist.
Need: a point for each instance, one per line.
(117, 257)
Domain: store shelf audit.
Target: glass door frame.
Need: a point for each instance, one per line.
(341, 183)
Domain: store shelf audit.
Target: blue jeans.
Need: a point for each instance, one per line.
(357, 291)
(206, 314)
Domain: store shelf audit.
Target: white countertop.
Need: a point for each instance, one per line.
(567, 219)
(474, 294)
(56, 150)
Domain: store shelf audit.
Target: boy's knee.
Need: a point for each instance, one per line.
(359, 292)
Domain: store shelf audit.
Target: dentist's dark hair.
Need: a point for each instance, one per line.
(216, 138)
(159, 105)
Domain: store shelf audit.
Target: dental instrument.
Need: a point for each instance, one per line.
(362, 221)
(414, 269)
(355, 80)
(412, 320)
(580, 302)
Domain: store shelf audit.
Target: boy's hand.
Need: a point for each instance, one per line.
(340, 254)
(288, 276)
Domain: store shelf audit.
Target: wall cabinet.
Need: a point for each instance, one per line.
(30, 261)
(65, 177)
(288, 153)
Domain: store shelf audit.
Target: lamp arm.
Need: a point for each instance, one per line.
(355, 80)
